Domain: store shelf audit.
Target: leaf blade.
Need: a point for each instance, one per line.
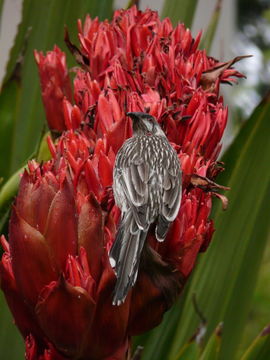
(180, 11)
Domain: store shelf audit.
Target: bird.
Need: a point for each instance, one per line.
(147, 187)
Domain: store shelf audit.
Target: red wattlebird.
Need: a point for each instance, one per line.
(147, 189)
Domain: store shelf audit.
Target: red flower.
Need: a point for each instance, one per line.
(55, 271)
(55, 85)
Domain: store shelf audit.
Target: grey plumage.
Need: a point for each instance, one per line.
(147, 189)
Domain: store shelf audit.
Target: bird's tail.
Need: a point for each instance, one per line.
(162, 228)
(125, 256)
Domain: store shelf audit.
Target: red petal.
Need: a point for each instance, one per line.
(55, 85)
(65, 314)
(104, 340)
(61, 227)
(105, 170)
(92, 179)
(91, 235)
(33, 201)
(105, 113)
(189, 254)
(33, 350)
(117, 134)
(31, 261)
(22, 313)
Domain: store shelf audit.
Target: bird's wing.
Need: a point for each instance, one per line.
(171, 193)
(172, 187)
(133, 179)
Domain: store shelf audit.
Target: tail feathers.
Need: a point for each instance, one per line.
(116, 247)
(125, 254)
(162, 228)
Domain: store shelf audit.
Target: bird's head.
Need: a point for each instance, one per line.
(144, 123)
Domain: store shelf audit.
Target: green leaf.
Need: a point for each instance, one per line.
(189, 351)
(43, 151)
(9, 103)
(209, 35)
(11, 343)
(46, 19)
(260, 347)
(225, 278)
(180, 11)
(212, 347)
(7, 193)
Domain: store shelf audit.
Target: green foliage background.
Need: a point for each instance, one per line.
(238, 259)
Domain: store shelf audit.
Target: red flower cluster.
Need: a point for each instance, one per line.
(55, 271)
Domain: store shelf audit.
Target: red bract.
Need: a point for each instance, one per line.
(55, 270)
